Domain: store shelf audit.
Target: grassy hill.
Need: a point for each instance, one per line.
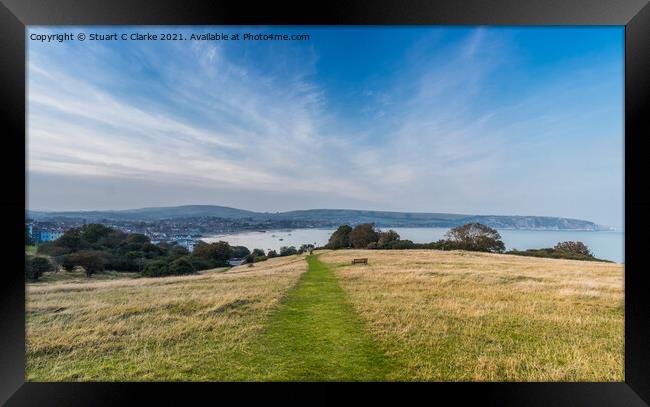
(408, 315)
(151, 329)
(468, 316)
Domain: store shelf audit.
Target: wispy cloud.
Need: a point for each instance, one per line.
(436, 133)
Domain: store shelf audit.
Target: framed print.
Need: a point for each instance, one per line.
(444, 196)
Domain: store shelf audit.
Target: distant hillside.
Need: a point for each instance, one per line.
(149, 214)
(415, 219)
(328, 217)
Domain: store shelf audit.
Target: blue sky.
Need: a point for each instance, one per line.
(477, 120)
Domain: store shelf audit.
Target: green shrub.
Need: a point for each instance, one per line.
(156, 268)
(176, 251)
(552, 253)
(199, 263)
(258, 253)
(400, 245)
(239, 252)
(180, 267)
(121, 262)
(67, 264)
(36, 266)
(288, 251)
(51, 249)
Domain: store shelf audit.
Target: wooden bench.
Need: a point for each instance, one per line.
(360, 261)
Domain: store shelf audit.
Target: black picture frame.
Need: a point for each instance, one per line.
(15, 15)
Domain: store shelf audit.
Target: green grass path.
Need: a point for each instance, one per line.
(316, 335)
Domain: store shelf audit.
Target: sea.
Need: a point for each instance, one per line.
(608, 245)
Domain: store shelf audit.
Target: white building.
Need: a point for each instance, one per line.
(48, 235)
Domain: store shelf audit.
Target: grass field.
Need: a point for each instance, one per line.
(467, 316)
(175, 328)
(78, 276)
(408, 315)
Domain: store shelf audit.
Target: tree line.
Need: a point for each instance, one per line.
(95, 248)
(470, 237)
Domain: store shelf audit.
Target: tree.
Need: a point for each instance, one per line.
(387, 238)
(222, 251)
(271, 254)
(340, 239)
(288, 251)
(133, 260)
(156, 268)
(362, 235)
(175, 251)
(573, 248)
(92, 261)
(52, 249)
(181, 266)
(67, 263)
(93, 232)
(151, 250)
(239, 252)
(136, 241)
(113, 239)
(258, 253)
(476, 237)
(219, 251)
(70, 239)
(36, 266)
(199, 263)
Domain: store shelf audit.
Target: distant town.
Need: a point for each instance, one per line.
(186, 232)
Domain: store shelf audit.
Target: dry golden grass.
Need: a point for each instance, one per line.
(465, 316)
(174, 328)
